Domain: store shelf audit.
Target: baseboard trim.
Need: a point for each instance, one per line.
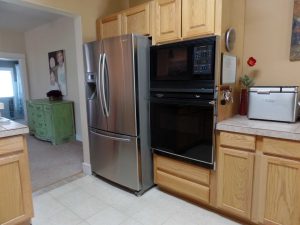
(86, 168)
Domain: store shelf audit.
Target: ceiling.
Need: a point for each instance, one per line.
(22, 18)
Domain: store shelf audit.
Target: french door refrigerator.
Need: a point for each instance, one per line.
(117, 90)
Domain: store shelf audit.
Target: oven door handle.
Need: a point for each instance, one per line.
(185, 102)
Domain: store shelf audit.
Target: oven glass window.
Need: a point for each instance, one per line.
(183, 130)
(172, 64)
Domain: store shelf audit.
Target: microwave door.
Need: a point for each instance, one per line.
(93, 61)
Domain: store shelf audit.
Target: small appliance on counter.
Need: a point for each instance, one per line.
(279, 103)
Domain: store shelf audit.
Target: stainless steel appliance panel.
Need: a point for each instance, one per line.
(115, 157)
(93, 59)
(274, 103)
(118, 71)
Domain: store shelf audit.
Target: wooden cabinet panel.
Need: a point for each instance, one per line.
(11, 145)
(109, 26)
(280, 147)
(281, 191)
(189, 189)
(137, 20)
(167, 20)
(235, 140)
(15, 189)
(184, 170)
(198, 17)
(235, 177)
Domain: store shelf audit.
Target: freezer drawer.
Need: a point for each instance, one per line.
(116, 158)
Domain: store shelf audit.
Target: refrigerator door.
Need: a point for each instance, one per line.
(119, 88)
(93, 56)
(115, 157)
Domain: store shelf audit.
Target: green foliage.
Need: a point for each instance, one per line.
(247, 81)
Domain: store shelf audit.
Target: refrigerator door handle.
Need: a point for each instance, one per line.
(107, 96)
(99, 83)
(103, 85)
(111, 137)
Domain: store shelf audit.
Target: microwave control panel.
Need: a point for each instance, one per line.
(203, 59)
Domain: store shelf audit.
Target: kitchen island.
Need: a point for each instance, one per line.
(15, 187)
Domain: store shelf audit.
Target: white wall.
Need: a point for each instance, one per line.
(53, 36)
(11, 41)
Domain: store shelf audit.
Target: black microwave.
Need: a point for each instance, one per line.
(187, 64)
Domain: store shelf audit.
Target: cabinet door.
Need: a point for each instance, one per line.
(235, 177)
(15, 188)
(109, 26)
(137, 20)
(281, 191)
(198, 17)
(167, 20)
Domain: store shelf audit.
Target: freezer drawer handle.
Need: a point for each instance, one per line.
(111, 137)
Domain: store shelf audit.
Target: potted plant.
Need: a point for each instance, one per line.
(246, 82)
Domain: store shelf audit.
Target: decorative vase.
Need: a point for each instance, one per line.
(244, 102)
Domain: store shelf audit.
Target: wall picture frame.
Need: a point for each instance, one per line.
(57, 71)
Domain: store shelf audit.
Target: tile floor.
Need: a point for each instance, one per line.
(91, 201)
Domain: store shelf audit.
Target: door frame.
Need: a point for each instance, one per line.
(86, 166)
(23, 70)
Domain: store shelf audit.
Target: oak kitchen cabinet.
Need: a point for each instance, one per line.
(258, 178)
(177, 19)
(167, 20)
(198, 17)
(15, 189)
(235, 173)
(109, 26)
(137, 20)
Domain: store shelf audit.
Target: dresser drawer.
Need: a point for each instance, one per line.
(11, 144)
(235, 140)
(280, 147)
(183, 170)
(47, 108)
(38, 107)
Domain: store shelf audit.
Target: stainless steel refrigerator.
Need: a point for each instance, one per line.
(117, 90)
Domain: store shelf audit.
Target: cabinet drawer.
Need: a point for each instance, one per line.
(47, 108)
(184, 170)
(186, 188)
(280, 147)
(38, 107)
(241, 141)
(11, 144)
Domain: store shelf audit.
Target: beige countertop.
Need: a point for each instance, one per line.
(11, 128)
(241, 124)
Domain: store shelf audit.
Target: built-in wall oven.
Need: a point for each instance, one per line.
(182, 100)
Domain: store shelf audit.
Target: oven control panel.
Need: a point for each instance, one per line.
(203, 59)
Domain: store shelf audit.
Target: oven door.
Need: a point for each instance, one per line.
(184, 129)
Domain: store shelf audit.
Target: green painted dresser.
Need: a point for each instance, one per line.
(51, 120)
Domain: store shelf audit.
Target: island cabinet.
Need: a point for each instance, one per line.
(15, 189)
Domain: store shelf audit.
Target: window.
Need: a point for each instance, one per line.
(6, 83)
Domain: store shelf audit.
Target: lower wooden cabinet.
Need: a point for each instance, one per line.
(182, 178)
(15, 189)
(235, 178)
(280, 189)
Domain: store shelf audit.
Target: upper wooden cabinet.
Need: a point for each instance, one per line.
(137, 19)
(167, 20)
(109, 26)
(198, 17)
